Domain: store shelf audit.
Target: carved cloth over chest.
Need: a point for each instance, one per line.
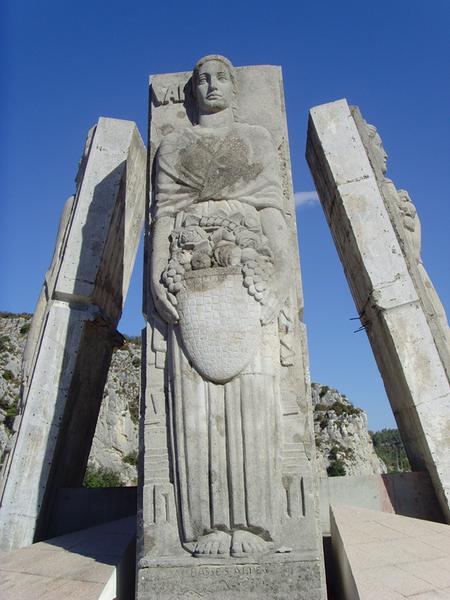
(226, 175)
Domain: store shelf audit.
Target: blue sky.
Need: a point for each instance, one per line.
(67, 63)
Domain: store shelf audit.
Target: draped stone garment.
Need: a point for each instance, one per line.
(236, 164)
(225, 438)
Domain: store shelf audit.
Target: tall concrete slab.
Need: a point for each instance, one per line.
(73, 330)
(228, 496)
(377, 235)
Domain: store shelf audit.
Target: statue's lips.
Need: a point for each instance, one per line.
(214, 97)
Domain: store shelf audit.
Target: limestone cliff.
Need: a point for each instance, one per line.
(343, 443)
(342, 439)
(13, 335)
(115, 442)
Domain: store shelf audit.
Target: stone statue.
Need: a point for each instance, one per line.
(228, 503)
(407, 227)
(220, 279)
(377, 234)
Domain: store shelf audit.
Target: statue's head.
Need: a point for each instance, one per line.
(406, 205)
(378, 152)
(214, 84)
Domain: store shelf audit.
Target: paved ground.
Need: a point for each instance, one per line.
(383, 556)
(73, 566)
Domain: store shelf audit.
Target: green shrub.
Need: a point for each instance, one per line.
(10, 414)
(10, 315)
(11, 411)
(8, 375)
(136, 362)
(323, 423)
(332, 455)
(336, 468)
(344, 409)
(323, 390)
(131, 458)
(133, 339)
(101, 477)
(133, 407)
(25, 328)
(5, 345)
(389, 447)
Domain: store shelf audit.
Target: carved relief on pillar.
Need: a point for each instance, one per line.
(407, 227)
(223, 287)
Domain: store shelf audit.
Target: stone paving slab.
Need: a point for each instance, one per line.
(77, 565)
(390, 557)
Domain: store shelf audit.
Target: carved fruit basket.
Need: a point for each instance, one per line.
(219, 322)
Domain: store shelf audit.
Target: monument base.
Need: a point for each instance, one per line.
(292, 576)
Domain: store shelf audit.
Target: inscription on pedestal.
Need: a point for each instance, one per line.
(294, 580)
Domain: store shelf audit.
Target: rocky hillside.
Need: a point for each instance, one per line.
(13, 335)
(115, 443)
(389, 447)
(342, 439)
(343, 443)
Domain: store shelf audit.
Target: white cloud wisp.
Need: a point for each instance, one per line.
(306, 198)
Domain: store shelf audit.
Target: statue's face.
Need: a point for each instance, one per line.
(214, 87)
(407, 207)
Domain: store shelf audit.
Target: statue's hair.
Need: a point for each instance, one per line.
(372, 130)
(229, 66)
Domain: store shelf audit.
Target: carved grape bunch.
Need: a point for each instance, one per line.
(220, 241)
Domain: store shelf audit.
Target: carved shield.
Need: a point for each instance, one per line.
(219, 322)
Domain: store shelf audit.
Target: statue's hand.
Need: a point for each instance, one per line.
(163, 305)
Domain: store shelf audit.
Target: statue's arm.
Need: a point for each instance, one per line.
(161, 230)
(275, 229)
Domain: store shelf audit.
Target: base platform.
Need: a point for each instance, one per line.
(274, 577)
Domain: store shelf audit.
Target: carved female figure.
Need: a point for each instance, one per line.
(408, 229)
(219, 278)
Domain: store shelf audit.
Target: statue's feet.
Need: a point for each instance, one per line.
(245, 543)
(216, 543)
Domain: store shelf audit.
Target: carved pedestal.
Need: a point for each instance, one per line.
(276, 577)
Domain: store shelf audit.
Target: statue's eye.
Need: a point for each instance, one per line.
(202, 79)
(222, 77)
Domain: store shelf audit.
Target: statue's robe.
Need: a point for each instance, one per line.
(225, 438)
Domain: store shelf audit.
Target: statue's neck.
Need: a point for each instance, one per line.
(224, 118)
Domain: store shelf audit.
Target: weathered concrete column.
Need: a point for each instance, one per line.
(73, 330)
(377, 235)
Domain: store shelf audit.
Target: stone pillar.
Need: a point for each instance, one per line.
(377, 235)
(73, 331)
(228, 498)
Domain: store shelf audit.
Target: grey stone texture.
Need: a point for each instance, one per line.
(73, 331)
(409, 494)
(93, 564)
(228, 463)
(341, 433)
(377, 236)
(279, 577)
(386, 556)
(115, 444)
